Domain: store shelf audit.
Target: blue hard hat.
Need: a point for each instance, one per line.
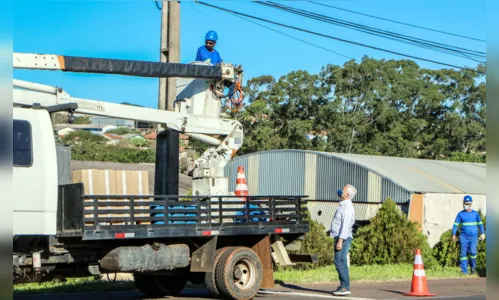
(467, 198)
(211, 36)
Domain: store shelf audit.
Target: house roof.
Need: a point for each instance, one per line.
(151, 136)
(112, 136)
(131, 136)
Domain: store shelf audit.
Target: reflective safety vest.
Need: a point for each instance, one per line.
(470, 222)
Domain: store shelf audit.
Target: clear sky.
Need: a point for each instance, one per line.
(131, 30)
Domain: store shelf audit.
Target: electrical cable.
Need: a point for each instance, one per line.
(365, 28)
(338, 39)
(397, 22)
(298, 39)
(157, 5)
(439, 47)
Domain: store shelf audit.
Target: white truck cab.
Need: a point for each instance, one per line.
(34, 173)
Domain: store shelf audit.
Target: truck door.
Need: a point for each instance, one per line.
(34, 173)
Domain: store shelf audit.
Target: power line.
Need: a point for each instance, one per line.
(338, 39)
(397, 22)
(157, 5)
(357, 25)
(439, 47)
(288, 35)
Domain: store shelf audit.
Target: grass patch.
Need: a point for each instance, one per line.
(399, 272)
(72, 285)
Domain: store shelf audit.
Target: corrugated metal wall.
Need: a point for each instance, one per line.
(323, 211)
(393, 191)
(333, 174)
(295, 172)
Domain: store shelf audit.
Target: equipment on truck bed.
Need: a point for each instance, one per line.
(210, 237)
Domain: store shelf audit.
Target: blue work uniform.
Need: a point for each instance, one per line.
(468, 239)
(214, 58)
(204, 54)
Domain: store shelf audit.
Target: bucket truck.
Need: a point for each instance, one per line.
(61, 231)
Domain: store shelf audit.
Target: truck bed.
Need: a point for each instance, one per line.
(111, 217)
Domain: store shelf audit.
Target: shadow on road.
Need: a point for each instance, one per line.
(300, 288)
(391, 291)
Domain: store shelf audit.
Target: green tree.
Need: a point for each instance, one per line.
(390, 238)
(83, 137)
(138, 142)
(82, 120)
(123, 131)
(377, 107)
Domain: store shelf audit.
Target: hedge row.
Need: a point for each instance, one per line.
(389, 238)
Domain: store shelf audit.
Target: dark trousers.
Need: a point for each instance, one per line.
(341, 262)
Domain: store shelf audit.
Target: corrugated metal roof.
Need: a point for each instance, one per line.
(377, 177)
(424, 176)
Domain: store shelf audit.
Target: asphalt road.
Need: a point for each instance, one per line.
(469, 289)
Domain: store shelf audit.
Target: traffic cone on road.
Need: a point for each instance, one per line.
(241, 186)
(419, 285)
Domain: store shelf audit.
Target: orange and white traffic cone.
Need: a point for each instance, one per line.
(241, 186)
(419, 286)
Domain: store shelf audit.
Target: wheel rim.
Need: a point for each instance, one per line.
(244, 274)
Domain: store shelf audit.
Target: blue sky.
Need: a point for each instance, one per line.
(131, 30)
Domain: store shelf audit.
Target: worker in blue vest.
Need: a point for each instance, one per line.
(207, 52)
(470, 221)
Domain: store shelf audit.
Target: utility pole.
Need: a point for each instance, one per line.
(167, 142)
(170, 51)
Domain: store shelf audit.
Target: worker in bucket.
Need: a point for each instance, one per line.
(207, 52)
(341, 231)
(470, 222)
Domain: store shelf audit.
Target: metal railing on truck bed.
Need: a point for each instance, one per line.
(132, 216)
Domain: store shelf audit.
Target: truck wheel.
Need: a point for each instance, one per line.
(196, 277)
(239, 274)
(160, 286)
(145, 284)
(210, 277)
(171, 285)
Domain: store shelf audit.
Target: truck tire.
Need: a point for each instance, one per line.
(239, 274)
(197, 278)
(159, 286)
(146, 285)
(210, 277)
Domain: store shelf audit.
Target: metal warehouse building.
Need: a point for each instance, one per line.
(430, 192)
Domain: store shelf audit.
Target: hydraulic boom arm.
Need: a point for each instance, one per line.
(197, 126)
(123, 67)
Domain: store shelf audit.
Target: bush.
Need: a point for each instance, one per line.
(317, 242)
(111, 153)
(447, 252)
(123, 131)
(83, 137)
(390, 238)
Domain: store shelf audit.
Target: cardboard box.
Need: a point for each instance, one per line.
(97, 182)
(140, 184)
(111, 182)
(133, 183)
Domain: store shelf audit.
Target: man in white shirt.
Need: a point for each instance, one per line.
(341, 231)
